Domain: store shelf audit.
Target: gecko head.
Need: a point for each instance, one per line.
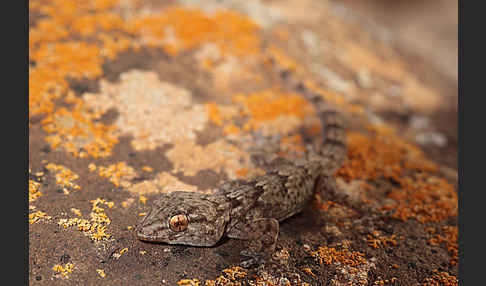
(184, 218)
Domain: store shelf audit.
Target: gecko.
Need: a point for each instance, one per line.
(251, 209)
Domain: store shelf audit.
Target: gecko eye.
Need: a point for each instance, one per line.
(178, 222)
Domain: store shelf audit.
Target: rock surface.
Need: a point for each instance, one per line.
(131, 99)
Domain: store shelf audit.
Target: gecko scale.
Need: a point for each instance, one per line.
(250, 210)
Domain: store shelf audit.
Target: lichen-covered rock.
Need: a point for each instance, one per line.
(131, 99)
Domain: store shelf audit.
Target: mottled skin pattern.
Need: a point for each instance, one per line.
(251, 210)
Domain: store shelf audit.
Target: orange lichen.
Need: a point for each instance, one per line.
(235, 272)
(441, 279)
(222, 116)
(241, 172)
(231, 279)
(423, 197)
(59, 50)
(269, 104)
(57, 55)
(391, 281)
(420, 195)
(450, 240)
(237, 276)
(54, 63)
(76, 132)
(214, 114)
(330, 255)
(231, 129)
(178, 29)
(56, 58)
(376, 240)
(69, 59)
(391, 156)
(326, 205)
(308, 271)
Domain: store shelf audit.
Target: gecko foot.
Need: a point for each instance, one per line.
(327, 188)
(262, 236)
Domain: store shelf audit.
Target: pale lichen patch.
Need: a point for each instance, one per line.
(153, 112)
(218, 156)
(162, 183)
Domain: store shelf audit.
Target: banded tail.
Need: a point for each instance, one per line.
(334, 146)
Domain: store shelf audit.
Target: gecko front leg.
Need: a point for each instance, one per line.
(262, 234)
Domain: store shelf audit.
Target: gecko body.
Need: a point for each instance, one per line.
(249, 209)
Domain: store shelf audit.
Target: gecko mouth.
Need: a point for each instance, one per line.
(144, 236)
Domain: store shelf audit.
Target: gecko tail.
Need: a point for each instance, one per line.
(334, 146)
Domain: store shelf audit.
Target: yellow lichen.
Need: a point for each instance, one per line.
(119, 174)
(189, 282)
(96, 226)
(147, 169)
(76, 211)
(64, 177)
(64, 270)
(101, 272)
(37, 216)
(34, 192)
